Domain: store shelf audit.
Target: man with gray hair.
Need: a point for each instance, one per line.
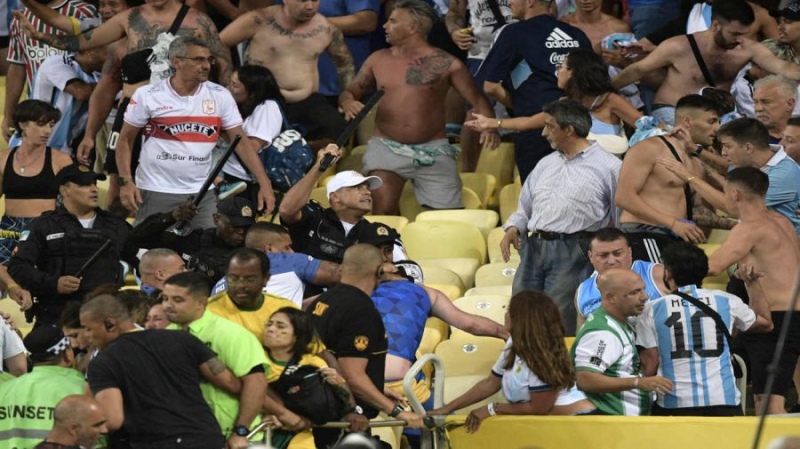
(742, 88)
(569, 196)
(774, 99)
(183, 117)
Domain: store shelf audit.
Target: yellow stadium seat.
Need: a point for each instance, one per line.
(471, 199)
(503, 290)
(464, 267)
(435, 274)
(410, 207)
(366, 128)
(398, 222)
(509, 201)
(496, 274)
(102, 193)
(352, 160)
(500, 164)
(568, 341)
(484, 184)
(323, 182)
(469, 357)
(720, 279)
(718, 236)
(456, 386)
(484, 220)
(320, 195)
(490, 306)
(451, 291)
(7, 305)
(436, 331)
(493, 246)
(444, 239)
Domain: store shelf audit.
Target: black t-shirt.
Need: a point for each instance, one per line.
(158, 373)
(350, 326)
(320, 233)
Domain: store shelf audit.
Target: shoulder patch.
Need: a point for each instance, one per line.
(24, 236)
(361, 342)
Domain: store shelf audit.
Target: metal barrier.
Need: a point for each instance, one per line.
(431, 437)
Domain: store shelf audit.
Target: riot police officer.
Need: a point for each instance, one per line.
(205, 250)
(68, 252)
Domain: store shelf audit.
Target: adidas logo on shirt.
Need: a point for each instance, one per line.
(560, 39)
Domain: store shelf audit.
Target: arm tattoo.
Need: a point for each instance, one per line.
(342, 59)
(218, 49)
(428, 70)
(704, 216)
(146, 33)
(216, 367)
(456, 16)
(68, 43)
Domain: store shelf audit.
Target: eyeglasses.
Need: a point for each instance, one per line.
(201, 59)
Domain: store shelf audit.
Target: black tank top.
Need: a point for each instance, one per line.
(43, 186)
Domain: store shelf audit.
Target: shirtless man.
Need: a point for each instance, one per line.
(765, 245)
(724, 50)
(590, 18)
(409, 140)
(288, 39)
(658, 207)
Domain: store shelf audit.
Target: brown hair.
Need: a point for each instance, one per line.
(538, 339)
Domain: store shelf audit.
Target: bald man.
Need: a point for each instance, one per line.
(607, 364)
(156, 266)
(78, 422)
(351, 327)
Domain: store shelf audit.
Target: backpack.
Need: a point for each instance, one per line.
(287, 158)
(305, 393)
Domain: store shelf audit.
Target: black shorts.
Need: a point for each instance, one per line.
(760, 349)
(645, 245)
(714, 410)
(319, 118)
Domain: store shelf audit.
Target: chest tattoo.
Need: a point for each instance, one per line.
(283, 31)
(428, 70)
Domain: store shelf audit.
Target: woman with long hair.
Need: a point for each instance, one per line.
(534, 370)
(261, 105)
(27, 181)
(288, 336)
(583, 76)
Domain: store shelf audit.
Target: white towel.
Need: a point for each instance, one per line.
(697, 20)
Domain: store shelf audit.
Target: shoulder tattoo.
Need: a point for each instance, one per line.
(428, 70)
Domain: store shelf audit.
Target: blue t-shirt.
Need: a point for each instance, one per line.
(783, 194)
(529, 52)
(588, 297)
(288, 272)
(404, 306)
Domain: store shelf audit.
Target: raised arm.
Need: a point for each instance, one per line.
(455, 20)
(623, 109)
(762, 56)
(662, 56)
(363, 82)
(242, 29)
(48, 16)
(443, 308)
(297, 197)
(110, 31)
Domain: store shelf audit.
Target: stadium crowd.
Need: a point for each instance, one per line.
(183, 306)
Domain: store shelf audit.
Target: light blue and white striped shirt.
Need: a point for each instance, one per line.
(692, 352)
(569, 195)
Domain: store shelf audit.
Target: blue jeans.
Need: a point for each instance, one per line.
(646, 19)
(556, 267)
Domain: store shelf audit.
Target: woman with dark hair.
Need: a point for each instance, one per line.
(287, 337)
(261, 105)
(534, 370)
(583, 76)
(27, 181)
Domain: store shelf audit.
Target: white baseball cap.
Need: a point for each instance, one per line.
(352, 178)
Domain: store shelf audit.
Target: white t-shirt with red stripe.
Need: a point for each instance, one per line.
(179, 134)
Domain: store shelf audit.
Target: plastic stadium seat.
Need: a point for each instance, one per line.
(484, 220)
(323, 182)
(493, 246)
(509, 201)
(102, 194)
(435, 274)
(436, 331)
(10, 307)
(444, 239)
(410, 207)
(500, 164)
(496, 274)
(464, 267)
(718, 236)
(353, 160)
(398, 222)
(502, 290)
(741, 382)
(474, 356)
(568, 341)
(320, 195)
(451, 291)
(484, 184)
(456, 386)
(490, 306)
(720, 279)
(366, 128)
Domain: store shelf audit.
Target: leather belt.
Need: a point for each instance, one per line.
(545, 235)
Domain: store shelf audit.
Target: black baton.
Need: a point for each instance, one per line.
(94, 257)
(351, 127)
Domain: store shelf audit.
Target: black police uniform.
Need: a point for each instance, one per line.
(56, 244)
(320, 234)
(202, 249)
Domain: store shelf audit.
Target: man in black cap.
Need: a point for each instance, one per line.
(205, 250)
(36, 394)
(68, 252)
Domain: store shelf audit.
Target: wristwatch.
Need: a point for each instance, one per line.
(398, 409)
(122, 180)
(357, 410)
(241, 431)
(698, 149)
